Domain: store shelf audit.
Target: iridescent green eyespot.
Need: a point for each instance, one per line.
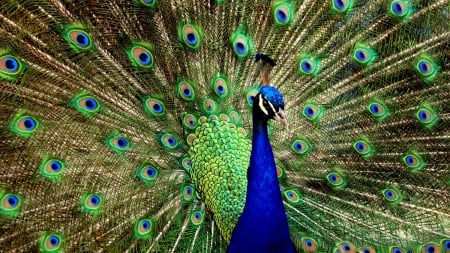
(413, 160)
(336, 179)
(309, 65)
(168, 141)
(51, 168)
(392, 194)
(301, 146)
(308, 244)
(197, 217)
(241, 44)
(313, 112)
(427, 116)
(86, 104)
(77, 37)
(143, 228)
(118, 143)
(378, 110)
(24, 125)
(188, 193)
(185, 90)
(209, 106)
(147, 174)
(400, 9)
(427, 68)
(141, 55)
(364, 54)
(92, 203)
(364, 147)
(283, 13)
(154, 107)
(221, 86)
(341, 6)
(292, 196)
(51, 242)
(148, 3)
(10, 66)
(251, 95)
(191, 35)
(10, 203)
(345, 247)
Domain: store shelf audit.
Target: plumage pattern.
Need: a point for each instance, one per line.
(126, 125)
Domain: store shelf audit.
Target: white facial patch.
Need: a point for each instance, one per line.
(261, 106)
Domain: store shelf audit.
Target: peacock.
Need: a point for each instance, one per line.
(145, 126)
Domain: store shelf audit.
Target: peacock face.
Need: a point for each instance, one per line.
(270, 104)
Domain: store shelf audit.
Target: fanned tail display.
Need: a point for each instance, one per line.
(127, 126)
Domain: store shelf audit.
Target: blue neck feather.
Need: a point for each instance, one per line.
(263, 225)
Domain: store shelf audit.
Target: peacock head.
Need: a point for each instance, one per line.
(269, 104)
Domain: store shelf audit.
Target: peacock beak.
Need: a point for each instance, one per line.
(281, 117)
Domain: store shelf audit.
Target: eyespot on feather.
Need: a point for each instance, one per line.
(11, 67)
(24, 125)
(143, 228)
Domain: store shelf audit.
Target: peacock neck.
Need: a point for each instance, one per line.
(263, 187)
(263, 225)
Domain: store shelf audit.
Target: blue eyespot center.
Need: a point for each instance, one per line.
(397, 8)
(309, 111)
(82, 40)
(366, 251)
(171, 140)
(56, 166)
(346, 247)
(189, 190)
(150, 172)
(333, 178)
(240, 47)
(197, 216)
(339, 4)
(397, 251)
(191, 38)
(191, 122)
(54, 241)
(11, 64)
(145, 58)
(187, 92)
(308, 243)
(375, 109)
(91, 104)
(29, 123)
(430, 249)
(306, 66)
(157, 107)
(360, 55)
(298, 146)
(145, 224)
(12, 201)
(95, 200)
(423, 115)
(360, 146)
(410, 160)
(281, 16)
(220, 88)
(389, 194)
(121, 142)
(424, 67)
(447, 245)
